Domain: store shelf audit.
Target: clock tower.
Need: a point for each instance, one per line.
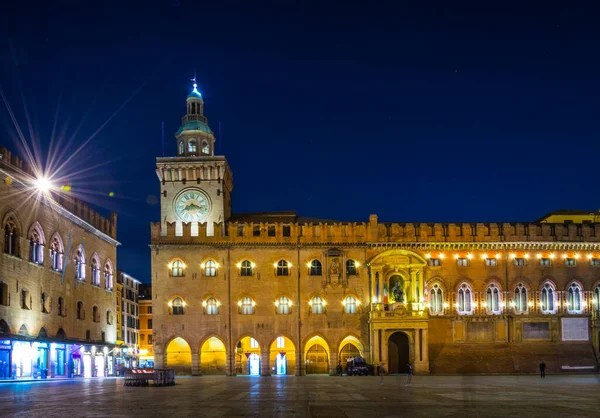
(196, 184)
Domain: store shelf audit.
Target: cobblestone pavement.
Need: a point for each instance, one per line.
(316, 396)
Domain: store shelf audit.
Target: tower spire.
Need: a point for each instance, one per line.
(195, 90)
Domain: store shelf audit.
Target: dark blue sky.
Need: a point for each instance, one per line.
(412, 112)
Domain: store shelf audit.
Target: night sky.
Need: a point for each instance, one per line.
(412, 112)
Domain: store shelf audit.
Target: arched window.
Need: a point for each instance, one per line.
(178, 306)
(351, 268)
(192, 145)
(212, 306)
(210, 268)
(62, 311)
(247, 306)
(464, 299)
(80, 311)
(108, 275)
(316, 269)
(574, 299)
(246, 268)
(316, 305)
(283, 306)
(436, 299)
(177, 268)
(11, 237)
(205, 148)
(282, 268)
(36, 244)
(597, 298)
(548, 295)
(79, 264)
(493, 299)
(350, 304)
(520, 298)
(95, 314)
(181, 148)
(109, 318)
(56, 253)
(95, 271)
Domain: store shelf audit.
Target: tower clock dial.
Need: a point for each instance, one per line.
(192, 205)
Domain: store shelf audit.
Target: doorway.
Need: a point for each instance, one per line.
(398, 353)
(281, 364)
(254, 364)
(317, 360)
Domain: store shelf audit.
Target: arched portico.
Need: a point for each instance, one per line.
(178, 356)
(213, 357)
(249, 360)
(282, 356)
(318, 356)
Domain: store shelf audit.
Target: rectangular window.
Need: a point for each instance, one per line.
(280, 342)
(435, 262)
(150, 339)
(240, 230)
(545, 262)
(519, 261)
(595, 262)
(462, 262)
(149, 324)
(149, 309)
(286, 231)
(253, 343)
(491, 262)
(271, 230)
(256, 230)
(570, 262)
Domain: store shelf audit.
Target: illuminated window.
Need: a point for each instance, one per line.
(240, 230)
(280, 342)
(177, 269)
(192, 145)
(574, 299)
(350, 305)
(11, 237)
(434, 262)
(464, 298)
(491, 262)
(520, 298)
(205, 148)
(177, 306)
(108, 276)
(548, 295)
(519, 261)
(253, 343)
(282, 268)
(283, 306)
(595, 262)
(80, 311)
(316, 269)
(80, 264)
(316, 305)
(545, 262)
(56, 253)
(109, 318)
(45, 303)
(181, 148)
(436, 299)
(597, 298)
(95, 271)
(351, 268)
(570, 262)
(246, 268)
(493, 299)
(212, 308)
(210, 268)
(462, 262)
(247, 306)
(36, 245)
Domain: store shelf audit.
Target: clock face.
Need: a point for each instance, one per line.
(192, 205)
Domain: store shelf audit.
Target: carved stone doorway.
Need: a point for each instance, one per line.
(398, 353)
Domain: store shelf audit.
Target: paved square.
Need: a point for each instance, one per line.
(317, 396)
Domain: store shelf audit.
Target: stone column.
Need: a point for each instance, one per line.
(231, 362)
(300, 367)
(265, 363)
(333, 362)
(195, 364)
(160, 360)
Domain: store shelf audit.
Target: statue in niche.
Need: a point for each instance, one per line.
(335, 267)
(398, 293)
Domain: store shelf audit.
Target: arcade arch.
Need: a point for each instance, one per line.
(282, 356)
(317, 354)
(179, 356)
(213, 357)
(247, 357)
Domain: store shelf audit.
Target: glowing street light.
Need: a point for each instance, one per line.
(43, 184)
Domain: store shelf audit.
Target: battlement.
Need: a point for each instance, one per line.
(374, 232)
(23, 171)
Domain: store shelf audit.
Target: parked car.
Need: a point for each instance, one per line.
(357, 366)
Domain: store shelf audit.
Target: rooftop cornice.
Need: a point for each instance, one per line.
(507, 245)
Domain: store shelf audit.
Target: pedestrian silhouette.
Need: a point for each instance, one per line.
(542, 369)
(409, 375)
(381, 371)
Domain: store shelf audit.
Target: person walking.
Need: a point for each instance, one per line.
(381, 371)
(339, 368)
(409, 375)
(542, 369)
